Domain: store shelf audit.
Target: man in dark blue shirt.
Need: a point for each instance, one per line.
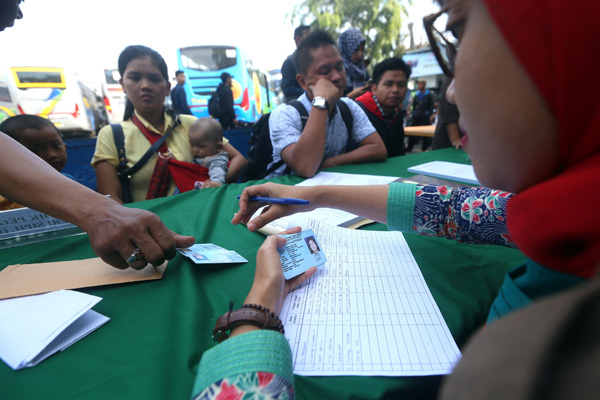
(227, 118)
(290, 86)
(178, 96)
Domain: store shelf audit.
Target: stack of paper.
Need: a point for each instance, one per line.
(447, 170)
(32, 328)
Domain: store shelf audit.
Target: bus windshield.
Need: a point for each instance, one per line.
(112, 76)
(39, 77)
(208, 58)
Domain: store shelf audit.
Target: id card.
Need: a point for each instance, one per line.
(208, 253)
(301, 252)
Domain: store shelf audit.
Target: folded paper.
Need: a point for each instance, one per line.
(32, 328)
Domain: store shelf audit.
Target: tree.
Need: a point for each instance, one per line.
(378, 20)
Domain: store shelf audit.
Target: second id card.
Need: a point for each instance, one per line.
(301, 252)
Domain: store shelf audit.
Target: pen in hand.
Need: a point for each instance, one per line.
(278, 200)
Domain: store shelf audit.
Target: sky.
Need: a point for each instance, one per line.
(89, 35)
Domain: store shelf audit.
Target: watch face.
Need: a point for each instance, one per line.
(319, 102)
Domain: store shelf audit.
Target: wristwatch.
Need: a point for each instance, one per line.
(320, 102)
(252, 314)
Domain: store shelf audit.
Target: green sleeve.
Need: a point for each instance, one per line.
(257, 351)
(401, 206)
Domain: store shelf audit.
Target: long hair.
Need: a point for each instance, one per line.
(138, 51)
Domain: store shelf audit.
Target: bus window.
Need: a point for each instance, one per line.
(114, 98)
(112, 76)
(4, 93)
(208, 58)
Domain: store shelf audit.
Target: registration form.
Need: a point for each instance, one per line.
(368, 311)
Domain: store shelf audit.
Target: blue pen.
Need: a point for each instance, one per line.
(278, 200)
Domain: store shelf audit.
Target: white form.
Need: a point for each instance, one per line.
(331, 216)
(368, 311)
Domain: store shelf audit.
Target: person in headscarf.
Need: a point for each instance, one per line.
(352, 48)
(528, 131)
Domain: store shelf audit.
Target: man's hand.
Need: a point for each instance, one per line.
(116, 231)
(457, 144)
(325, 88)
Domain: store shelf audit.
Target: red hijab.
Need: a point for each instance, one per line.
(556, 223)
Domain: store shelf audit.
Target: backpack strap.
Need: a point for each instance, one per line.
(301, 110)
(349, 122)
(303, 119)
(119, 139)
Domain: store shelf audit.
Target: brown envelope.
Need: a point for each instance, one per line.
(27, 279)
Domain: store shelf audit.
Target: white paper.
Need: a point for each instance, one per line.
(30, 326)
(338, 178)
(331, 216)
(368, 311)
(447, 170)
(80, 328)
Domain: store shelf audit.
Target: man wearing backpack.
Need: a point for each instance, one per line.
(225, 96)
(325, 141)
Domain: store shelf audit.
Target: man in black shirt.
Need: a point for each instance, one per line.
(290, 86)
(383, 103)
(227, 117)
(447, 133)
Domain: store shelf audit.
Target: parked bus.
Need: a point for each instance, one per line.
(203, 66)
(8, 96)
(54, 93)
(113, 96)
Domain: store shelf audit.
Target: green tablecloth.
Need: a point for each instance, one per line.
(158, 330)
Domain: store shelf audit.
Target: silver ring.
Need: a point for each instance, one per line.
(135, 256)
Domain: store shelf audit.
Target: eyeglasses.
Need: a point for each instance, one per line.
(443, 49)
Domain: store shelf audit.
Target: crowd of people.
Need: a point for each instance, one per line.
(528, 141)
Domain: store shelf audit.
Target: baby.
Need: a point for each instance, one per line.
(41, 137)
(206, 139)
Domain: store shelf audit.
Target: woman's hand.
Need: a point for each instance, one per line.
(270, 286)
(272, 211)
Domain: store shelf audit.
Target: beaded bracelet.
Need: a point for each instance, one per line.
(252, 314)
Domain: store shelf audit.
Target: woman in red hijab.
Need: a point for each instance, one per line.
(541, 139)
(528, 131)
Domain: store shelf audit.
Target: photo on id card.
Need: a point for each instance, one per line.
(301, 252)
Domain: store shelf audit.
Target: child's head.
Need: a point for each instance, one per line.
(40, 136)
(206, 137)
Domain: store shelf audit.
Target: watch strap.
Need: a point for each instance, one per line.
(252, 314)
